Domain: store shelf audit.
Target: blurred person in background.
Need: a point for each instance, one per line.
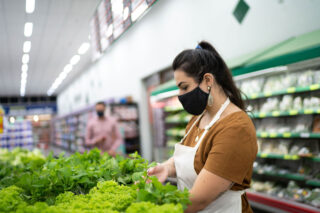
(103, 132)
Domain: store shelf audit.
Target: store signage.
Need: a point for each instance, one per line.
(36, 109)
(241, 11)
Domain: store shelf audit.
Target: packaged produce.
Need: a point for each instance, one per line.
(251, 86)
(316, 77)
(271, 104)
(289, 80)
(305, 78)
(286, 103)
(297, 103)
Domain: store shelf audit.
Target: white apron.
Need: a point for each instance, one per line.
(230, 201)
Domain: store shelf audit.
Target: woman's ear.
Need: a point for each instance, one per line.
(209, 79)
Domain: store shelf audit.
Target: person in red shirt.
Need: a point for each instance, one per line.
(103, 131)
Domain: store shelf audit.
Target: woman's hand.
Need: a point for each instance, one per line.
(160, 171)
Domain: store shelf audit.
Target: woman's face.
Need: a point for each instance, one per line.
(186, 83)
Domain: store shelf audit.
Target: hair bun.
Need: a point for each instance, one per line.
(206, 46)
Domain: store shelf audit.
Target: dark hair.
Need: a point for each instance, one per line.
(205, 59)
(101, 103)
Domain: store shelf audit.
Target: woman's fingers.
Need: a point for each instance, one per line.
(154, 170)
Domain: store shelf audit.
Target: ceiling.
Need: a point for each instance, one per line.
(59, 28)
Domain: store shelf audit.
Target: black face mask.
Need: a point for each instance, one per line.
(195, 101)
(100, 114)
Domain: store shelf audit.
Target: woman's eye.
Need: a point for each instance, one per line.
(184, 88)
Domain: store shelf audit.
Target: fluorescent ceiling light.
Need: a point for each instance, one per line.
(26, 46)
(58, 82)
(62, 76)
(110, 30)
(83, 48)
(125, 13)
(24, 67)
(25, 58)
(30, 5)
(24, 75)
(138, 11)
(67, 68)
(23, 81)
(28, 27)
(74, 60)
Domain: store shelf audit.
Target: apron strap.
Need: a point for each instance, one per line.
(194, 123)
(218, 115)
(214, 120)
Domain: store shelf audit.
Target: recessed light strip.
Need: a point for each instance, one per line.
(28, 30)
(68, 68)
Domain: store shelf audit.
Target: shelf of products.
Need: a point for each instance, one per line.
(284, 113)
(69, 131)
(128, 118)
(278, 173)
(287, 124)
(288, 135)
(288, 90)
(17, 134)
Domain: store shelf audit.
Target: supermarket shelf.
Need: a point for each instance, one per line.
(316, 159)
(278, 156)
(175, 133)
(284, 113)
(313, 182)
(287, 135)
(286, 157)
(180, 121)
(173, 109)
(289, 90)
(276, 204)
(288, 176)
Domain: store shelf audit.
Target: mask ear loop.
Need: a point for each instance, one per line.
(210, 98)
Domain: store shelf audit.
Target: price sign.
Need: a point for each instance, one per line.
(291, 90)
(314, 86)
(275, 113)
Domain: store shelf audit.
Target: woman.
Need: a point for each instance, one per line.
(214, 159)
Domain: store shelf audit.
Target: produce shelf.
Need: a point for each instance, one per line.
(290, 90)
(173, 109)
(278, 156)
(284, 113)
(313, 182)
(275, 204)
(316, 159)
(175, 132)
(178, 121)
(297, 177)
(287, 135)
(286, 157)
